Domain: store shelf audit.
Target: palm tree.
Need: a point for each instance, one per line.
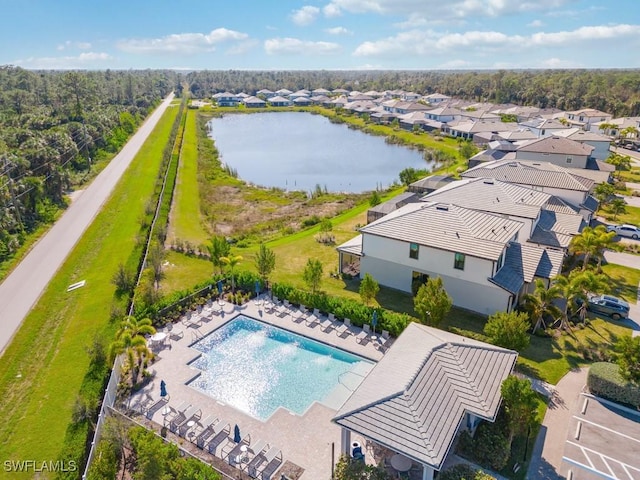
(618, 206)
(130, 340)
(540, 303)
(232, 261)
(606, 241)
(586, 244)
(586, 283)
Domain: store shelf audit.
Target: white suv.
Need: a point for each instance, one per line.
(630, 231)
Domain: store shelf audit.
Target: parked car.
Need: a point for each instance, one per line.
(613, 307)
(625, 230)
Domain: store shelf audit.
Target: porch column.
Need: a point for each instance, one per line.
(345, 442)
(427, 472)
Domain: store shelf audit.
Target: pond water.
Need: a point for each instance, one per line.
(297, 151)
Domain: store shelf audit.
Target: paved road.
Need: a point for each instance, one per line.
(22, 288)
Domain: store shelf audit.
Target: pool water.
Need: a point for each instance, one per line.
(257, 368)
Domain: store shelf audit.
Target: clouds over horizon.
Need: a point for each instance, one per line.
(295, 46)
(185, 43)
(68, 62)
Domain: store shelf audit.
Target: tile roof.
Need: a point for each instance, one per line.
(591, 203)
(353, 246)
(492, 195)
(415, 398)
(525, 173)
(447, 227)
(557, 145)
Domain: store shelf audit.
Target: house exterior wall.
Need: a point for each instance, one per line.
(389, 263)
(601, 150)
(577, 161)
(574, 197)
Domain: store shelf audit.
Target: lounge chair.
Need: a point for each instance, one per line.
(267, 464)
(312, 318)
(178, 424)
(345, 327)
(205, 430)
(385, 340)
(364, 334)
(327, 323)
(221, 432)
(233, 456)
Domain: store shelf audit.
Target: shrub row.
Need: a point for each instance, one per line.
(342, 308)
(604, 380)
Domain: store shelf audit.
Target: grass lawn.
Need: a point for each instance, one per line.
(623, 281)
(632, 215)
(185, 218)
(43, 368)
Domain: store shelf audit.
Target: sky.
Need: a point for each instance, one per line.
(320, 35)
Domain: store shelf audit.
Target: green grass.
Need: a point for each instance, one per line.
(185, 219)
(631, 216)
(184, 271)
(44, 367)
(623, 281)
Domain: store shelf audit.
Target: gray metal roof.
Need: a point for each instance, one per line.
(559, 145)
(414, 399)
(492, 195)
(527, 174)
(591, 203)
(447, 227)
(353, 246)
(560, 222)
(392, 204)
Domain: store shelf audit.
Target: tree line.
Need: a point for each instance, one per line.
(613, 91)
(53, 127)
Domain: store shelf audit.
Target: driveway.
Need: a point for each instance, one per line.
(21, 289)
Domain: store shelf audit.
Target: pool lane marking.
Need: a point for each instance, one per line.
(606, 428)
(604, 458)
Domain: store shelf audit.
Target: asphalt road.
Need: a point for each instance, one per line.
(21, 289)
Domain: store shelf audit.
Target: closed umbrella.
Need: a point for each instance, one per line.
(163, 389)
(236, 434)
(374, 321)
(220, 287)
(257, 288)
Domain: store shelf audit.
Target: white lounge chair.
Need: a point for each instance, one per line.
(344, 327)
(270, 463)
(385, 340)
(327, 323)
(221, 432)
(364, 334)
(312, 319)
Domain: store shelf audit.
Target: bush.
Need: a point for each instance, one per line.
(604, 380)
(463, 471)
(489, 447)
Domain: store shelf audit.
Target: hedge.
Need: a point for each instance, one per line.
(342, 308)
(604, 380)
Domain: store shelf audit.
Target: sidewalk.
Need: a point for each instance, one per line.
(548, 450)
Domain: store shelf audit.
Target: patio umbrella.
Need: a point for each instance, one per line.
(236, 434)
(163, 389)
(257, 288)
(374, 320)
(219, 287)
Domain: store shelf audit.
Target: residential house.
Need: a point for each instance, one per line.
(283, 92)
(522, 113)
(321, 92)
(410, 97)
(430, 184)
(430, 385)
(483, 138)
(601, 144)
(279, 101)
(437, 98)
(384, 208)
(545, 177)
(254, 102)
(340, 91)
(302, 101)
(265, 93)
(226, 99)
(557, 150)
(444, 114)
(543, 127)
(299, 94)
(621, 124)
(586, 117)
(466, 129)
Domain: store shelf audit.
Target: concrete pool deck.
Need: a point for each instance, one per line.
(305, 440)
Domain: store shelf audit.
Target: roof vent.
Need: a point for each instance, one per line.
(512, 164)
(488, 181)
(457, 235)
(444, 208)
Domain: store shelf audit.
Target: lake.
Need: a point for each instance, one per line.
(297, 151)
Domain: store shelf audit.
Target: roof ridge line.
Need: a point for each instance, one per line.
(448, 346)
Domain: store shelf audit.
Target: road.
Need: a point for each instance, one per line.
(22, 288)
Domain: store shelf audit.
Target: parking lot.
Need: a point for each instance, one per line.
(603, 442)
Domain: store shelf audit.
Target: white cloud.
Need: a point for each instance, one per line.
(331, 11)
(84, 60)
(185, 43)
(75, 45)
(428, 42)
(338, 31)
(455, 64)
(535, 24)
(305, 16)
(294, 46)
(438, 10)
(558, 63)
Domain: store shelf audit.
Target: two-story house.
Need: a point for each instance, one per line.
(557, 150)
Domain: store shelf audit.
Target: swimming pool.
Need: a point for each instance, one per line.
(257, 368)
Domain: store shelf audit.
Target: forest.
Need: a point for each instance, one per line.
(56, 130)
(613, 91)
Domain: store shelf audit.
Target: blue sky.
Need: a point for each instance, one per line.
(326, 34)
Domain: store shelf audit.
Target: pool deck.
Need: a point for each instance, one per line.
(305, 440)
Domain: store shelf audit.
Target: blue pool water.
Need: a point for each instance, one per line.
(257, 368)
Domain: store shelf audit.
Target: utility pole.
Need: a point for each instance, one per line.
(10, 166)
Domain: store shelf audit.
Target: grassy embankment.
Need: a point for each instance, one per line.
(546, 358)
(44, 368)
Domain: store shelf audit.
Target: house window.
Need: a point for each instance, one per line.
(458, 262)
(569, 159)
(417, 280)
(414, 249)
(543, 131)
